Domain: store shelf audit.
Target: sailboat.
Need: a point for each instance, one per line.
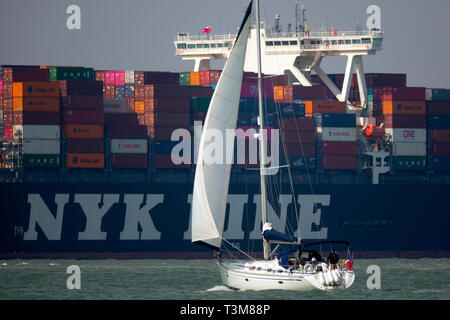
(211, 191)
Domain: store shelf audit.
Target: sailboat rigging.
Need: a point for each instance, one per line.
(211, 191)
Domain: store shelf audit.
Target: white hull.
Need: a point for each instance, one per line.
(242, 276)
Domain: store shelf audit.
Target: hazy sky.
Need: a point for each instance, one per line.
(139, 34)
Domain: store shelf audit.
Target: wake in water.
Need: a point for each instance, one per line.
(219, 288)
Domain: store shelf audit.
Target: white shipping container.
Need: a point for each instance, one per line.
(41, 147)
(129, 146)
(129, 76)
(407, 134)
(37, 132)
(115, 106)
(409, 149)
(338, 134)
(428, 94)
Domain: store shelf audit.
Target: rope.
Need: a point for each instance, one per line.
(238, 249)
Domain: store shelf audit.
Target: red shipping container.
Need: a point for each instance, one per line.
(85, 160)
(204, 77)
(172, 119)
(119, 78)
(127, 132)
(339, 162)
(148, 91)
(299, 124)
(441, 149)
(83, 131)
(138, 77)
(122, 120)
(41, 118)
(1, 101)
(273, 80)
(81, 87)
(85, 145)
(100, 76)
(83, 116)
(129, 160)
(168, 105)
(385, 79)
(26, 75)
(164, 161)
(336, 148)
(310, 93)
(440, 135)
(82, 102)
(163, 133)
(250, 90)
(130, 103)
(1, 86)
(109, 91)
(299, 150)
(35, 89)
(110, 77)
(161, 77)
(214, 76)
(8, 133)
(438, 107)
(8, 104)
(139, 91)
(403, 93)
(298, 137)
(8, 119)
(405, 121)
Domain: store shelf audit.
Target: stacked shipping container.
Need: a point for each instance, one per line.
(339, 141)
(438, 123)
(403, 107)
(82, 117)
(33, 102)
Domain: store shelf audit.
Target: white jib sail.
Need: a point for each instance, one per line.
(211, 182)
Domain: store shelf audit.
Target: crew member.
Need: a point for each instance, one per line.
(333, 259)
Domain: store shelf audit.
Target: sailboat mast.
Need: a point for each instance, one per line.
(262, 150)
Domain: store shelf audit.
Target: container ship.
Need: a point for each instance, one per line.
(87, 167)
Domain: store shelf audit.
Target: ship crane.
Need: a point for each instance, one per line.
(293, 53)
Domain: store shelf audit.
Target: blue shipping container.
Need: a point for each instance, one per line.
(337, 120)
(164, 147)
(440, 163)
(440, 94)
(438, 121)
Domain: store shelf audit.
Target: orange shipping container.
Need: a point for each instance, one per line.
(195, 78)
(403, 107)
(85, 160)
(139, 106)
(32, 104)
(36, 89)
(282, 93)
(324, 106)
(83, 131)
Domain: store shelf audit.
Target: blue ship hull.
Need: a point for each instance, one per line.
(104, 220)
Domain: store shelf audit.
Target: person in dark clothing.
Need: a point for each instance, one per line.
(333, 259)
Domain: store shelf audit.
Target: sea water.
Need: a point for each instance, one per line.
(200, 280)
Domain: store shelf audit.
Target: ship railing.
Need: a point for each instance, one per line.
(324, 34)
(208, 37)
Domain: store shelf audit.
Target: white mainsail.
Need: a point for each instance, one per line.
(211, 182)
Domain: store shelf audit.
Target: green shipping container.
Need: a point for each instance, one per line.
(200, 103)
(185, 78)
(409, 163)
(41, 160)
(71, 73)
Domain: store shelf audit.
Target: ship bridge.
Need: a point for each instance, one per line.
(289, 53)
